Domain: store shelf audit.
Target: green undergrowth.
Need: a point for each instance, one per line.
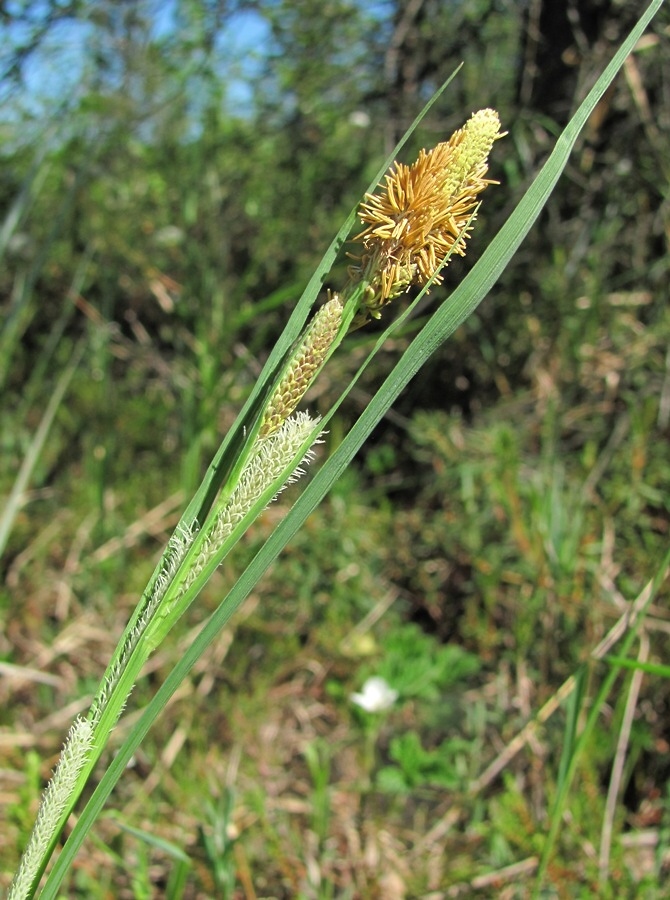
(475, 585)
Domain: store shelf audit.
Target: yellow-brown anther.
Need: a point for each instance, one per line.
(424, 212)
(305, 363)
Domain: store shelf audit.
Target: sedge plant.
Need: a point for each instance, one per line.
(422, 216)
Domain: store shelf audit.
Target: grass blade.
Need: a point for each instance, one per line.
(32, 456)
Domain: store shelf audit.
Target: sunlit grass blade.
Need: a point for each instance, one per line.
(30, 188)
(45, 360)
(575, 710)
(30, 460)
(635, 665)
(24, 304)
(153, 840)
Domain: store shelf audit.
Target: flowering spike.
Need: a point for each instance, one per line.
(265, 466)
(76, 751)
(424, 213)
(304, 365)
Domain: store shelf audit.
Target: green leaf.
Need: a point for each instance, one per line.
(657, 669)
(153, 840)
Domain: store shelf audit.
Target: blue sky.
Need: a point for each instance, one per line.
(60, 70)
(55, 71)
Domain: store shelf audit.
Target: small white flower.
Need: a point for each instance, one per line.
(359, 118)
(376, 696)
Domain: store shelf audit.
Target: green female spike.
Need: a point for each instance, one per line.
(307, 359)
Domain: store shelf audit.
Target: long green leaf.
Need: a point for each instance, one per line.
(464, 300)
(660, 671)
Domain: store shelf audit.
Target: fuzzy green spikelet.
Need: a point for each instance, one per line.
(304, 365)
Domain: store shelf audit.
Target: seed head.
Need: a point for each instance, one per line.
(424, 213)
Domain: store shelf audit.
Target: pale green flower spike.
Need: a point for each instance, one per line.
(269, 459)
(75, 753)
(470, 147)
(176, 550)
(304, 365)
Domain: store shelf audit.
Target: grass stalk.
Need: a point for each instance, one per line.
(36, 446)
